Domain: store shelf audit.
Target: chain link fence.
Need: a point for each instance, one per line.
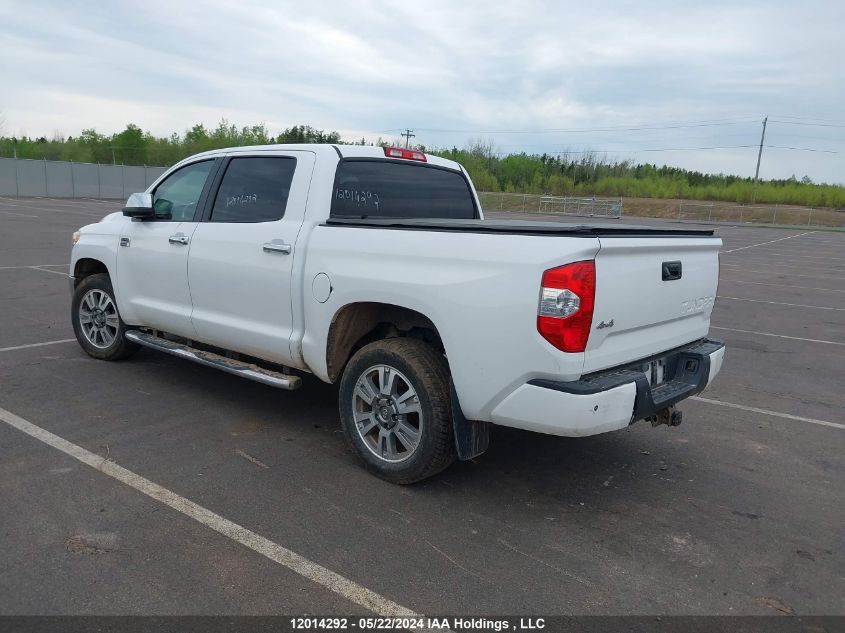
(793, 216)
(692, 211)
(58, 179)
(552, 205)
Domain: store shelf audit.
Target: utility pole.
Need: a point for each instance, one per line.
(408, 134)
(759, 155)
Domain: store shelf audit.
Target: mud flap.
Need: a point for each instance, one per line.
(471, 436)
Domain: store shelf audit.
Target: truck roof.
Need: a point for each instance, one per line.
(329, 150)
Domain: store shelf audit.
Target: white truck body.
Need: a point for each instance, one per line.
(477, 282)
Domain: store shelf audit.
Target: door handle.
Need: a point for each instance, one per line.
(671, 271)
(277, 246)
(179, 238)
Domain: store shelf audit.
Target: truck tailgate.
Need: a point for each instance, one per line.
(652, 294)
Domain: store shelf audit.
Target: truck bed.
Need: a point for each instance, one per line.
(516, 227)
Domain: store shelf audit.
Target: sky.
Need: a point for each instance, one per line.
(680, 83)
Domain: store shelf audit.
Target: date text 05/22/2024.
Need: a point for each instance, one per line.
(416, 622)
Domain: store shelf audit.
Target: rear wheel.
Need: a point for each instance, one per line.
(96, 321)
(395, 409)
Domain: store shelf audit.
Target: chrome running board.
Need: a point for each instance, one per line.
(238, 368)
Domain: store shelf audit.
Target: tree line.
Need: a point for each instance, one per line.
(573, 174)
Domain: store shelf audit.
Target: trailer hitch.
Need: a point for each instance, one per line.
(668, 416)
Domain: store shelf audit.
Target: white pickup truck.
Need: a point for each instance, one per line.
(375, 267)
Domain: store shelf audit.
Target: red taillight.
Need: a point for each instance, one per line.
(565, 312)
(407, 154)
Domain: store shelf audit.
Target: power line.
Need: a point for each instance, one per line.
(812, 137)
(636, 151)
(671, 126)
(807, 118)
(804, 149)
(689, 149)
(807, 123)
(645, 139)
(676, 149)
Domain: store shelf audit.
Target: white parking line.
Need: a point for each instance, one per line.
(814, 240)
(794, 338)
(742, 248)
(788, 416)
(33, 266)
(808, 266)
(22, 215)
(44, 270)
(790, 254)
(332, 581)
(776, 272)
(794, 248)
(72, 211)
(12, 349)
(781, 303)
(760, 283)
(789, 257)
(807, 242)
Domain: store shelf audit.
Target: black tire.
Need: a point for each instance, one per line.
(116, 349)
(427, 373)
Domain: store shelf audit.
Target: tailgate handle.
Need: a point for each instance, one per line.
(671, 271)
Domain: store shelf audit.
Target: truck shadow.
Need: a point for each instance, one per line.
(543, 473)
(522, 463)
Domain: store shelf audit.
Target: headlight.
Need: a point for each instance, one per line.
(75, 237)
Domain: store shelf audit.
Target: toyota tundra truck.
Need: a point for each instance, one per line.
(375, 268)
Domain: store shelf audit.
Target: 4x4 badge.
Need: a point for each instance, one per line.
(603, 325)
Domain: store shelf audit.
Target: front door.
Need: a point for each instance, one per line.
(152, 259)
(241, 257)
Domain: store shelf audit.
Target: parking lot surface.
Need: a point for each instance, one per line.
(740, 510)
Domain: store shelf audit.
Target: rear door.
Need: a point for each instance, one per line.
(652, 294)
(152, 260)
(241, 256)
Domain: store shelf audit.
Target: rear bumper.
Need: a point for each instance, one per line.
(611, 399)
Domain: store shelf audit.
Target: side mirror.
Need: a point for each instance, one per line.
(140, 206)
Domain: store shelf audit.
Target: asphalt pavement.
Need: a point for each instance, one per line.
(740, 510)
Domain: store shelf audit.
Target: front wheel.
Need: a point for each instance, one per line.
(395, 409)
(96, 321)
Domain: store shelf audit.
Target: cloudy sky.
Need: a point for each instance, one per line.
(692, 80)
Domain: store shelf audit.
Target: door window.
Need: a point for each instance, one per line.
(254, 189)
(177, 196)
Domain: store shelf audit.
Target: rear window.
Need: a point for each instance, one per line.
(390, 189)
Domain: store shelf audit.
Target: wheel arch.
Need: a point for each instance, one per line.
(357, 324)
(87, 266)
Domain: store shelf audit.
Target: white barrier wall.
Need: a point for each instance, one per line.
(58, 179)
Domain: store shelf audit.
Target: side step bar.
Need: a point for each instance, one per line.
(236, 367)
